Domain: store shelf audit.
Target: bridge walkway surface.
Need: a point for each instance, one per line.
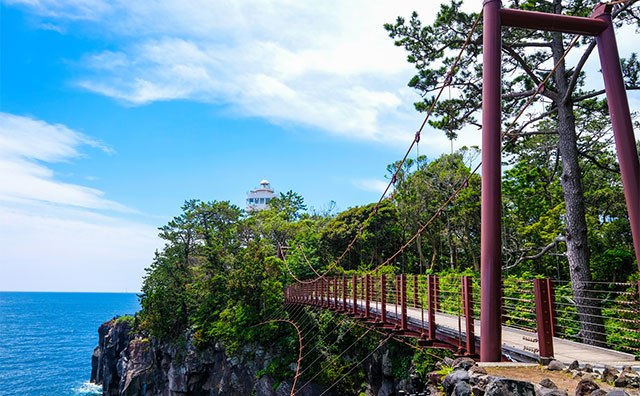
(540, 320)
(513, 343)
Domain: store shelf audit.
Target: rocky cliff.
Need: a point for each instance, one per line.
(127, 364)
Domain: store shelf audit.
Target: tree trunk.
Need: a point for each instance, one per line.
(434, 245)
(591, 324)
(450, 241)
(420, 255)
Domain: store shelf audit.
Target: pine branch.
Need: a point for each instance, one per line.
(536, 256)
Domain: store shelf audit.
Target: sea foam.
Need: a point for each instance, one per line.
(87, 389)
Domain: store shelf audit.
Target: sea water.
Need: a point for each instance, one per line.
(47, 339)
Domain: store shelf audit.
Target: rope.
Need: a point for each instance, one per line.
(468, 178)
(414, 142)
(334, 360)
(382, 342)
(295, 379)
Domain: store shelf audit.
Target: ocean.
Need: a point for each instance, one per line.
(46, 340)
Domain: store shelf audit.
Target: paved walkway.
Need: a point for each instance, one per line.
(513, 341)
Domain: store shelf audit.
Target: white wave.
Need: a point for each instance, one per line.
(87, 389)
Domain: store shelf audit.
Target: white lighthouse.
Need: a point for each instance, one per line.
(257, 199)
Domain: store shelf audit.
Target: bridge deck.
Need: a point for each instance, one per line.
(513, 343)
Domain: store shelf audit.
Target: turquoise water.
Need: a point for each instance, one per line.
(46, 340)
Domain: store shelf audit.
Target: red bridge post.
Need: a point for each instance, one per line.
(335, 293)
(415, 291)
(491, 206)
(403, 302)
(467, 304)
(543, 318)
(383, 299)
(344, 294)
(323, 291)
(620, 120)
(431, 288)
(552, 306)
(355, 295)
(436, 291)
(367, 294)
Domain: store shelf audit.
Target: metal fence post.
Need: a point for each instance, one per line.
(436, 291)
(415, 291)
(344, 294)
(543, 318)
(383, 299)
(431, 288)
(467, 303)
(355, 295)
(403, 302)
(335, 293)
(552, 306)
(367, 292)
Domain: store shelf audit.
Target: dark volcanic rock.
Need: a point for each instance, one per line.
(449, 382)
(617, 392)
(463, 363)
(462, 389)
(609, 374)
(477, 370)
(542, 391)
(509, 387)
(585, 387)
(434, 378)
(129, 365)
(555, 365)
(113, 338)
(547, 383)
(574, 365)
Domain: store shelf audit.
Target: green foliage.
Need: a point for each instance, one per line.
(400, 366)
(425, 361)
(217, 275)
(445, 370)
(125, 318)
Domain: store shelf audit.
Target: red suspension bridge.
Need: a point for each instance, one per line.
(491, 318)
(539, 320)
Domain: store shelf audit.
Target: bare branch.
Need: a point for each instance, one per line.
(578, 69)
(532, 133)
(600, 92)
(597, 163)
(514, 95)
(522, 63)
(536, 256)
(533, 44)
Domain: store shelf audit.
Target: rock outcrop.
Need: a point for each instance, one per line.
(126, 364)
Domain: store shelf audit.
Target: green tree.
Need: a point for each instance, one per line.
(432, 49)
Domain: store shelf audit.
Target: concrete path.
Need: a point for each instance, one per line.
(513, 340)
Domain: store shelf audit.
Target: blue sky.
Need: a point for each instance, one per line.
(112, 113)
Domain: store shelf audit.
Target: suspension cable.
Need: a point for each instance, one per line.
(295, 379)
(415, 140)
(468, 178)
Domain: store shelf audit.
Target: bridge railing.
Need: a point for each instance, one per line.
(612, 308)
(446, 308)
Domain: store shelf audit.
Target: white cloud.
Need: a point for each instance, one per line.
(53, 235)
(330, 66)
(372, 185)
(25, 144)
